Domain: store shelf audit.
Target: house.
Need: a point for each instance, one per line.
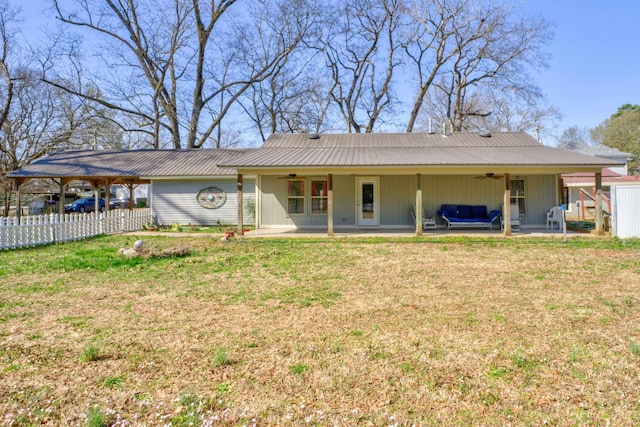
(579, 187)
(356, 181)
(335, 181)
(186, 186)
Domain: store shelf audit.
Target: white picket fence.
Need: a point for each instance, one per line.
(54, 228)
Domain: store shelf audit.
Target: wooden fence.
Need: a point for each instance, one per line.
(54, 228)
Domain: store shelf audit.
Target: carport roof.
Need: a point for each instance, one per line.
(130, 164)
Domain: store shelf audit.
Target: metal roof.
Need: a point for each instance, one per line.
(130, 163)
(399, 140)
(409, 149)
(601, 150)
(327, 150)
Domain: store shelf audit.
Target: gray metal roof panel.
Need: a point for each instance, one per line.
(413, 156)
(131, 163)
(384, 140)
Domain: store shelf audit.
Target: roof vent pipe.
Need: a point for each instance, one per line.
(430, 126)
(314, 136)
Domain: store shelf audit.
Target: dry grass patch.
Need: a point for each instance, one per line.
(342, 332)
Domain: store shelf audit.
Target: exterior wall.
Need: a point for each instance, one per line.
(274, 214)
(344, 196)
(397, 195)
(174, 201)
(540, 194)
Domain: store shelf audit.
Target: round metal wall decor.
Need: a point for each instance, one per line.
(211, 197)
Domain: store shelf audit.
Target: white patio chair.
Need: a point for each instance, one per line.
(515, 217)
(554, 216)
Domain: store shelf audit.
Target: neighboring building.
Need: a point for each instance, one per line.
(604, 152)
(579, 194)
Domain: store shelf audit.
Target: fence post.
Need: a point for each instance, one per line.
(52, 227)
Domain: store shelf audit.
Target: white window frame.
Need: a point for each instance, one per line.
(300, 197)
(516, 198)
(324, 198)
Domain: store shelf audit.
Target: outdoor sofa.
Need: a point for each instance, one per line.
(467, 216)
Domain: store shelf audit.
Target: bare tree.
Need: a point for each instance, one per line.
(428, 48)
(8, 17)
(574, 138)
(471, 48)
(488, 109)
(362, 53)
(41, 119)
(293, 99)
(170, 62)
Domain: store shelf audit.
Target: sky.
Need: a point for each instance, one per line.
(595, 56)
(595, 63)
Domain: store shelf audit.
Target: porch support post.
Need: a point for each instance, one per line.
(131, 195)
(507, 206)
(599, 220)
(560, 187)
(107, 194)
(240, 201)
(330, 205)
(62, 197)
(19, 183)
(96, 196)
(418, 204)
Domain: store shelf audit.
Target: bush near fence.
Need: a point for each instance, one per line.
(36, 230)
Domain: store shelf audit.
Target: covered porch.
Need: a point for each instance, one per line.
(359, 203)
(374, 181)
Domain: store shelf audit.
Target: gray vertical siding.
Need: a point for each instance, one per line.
(174, 201)
(397, 195)
(540, 194)
(274, 204)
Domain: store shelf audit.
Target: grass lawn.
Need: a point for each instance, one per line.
(322, 332)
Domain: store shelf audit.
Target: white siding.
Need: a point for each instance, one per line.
(174, 201)
(625, 201)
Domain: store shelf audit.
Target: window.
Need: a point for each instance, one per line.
(517, 194)
(295, 197)
(319, 196)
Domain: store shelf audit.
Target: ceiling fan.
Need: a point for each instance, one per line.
(291, 176)
(490, 175)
